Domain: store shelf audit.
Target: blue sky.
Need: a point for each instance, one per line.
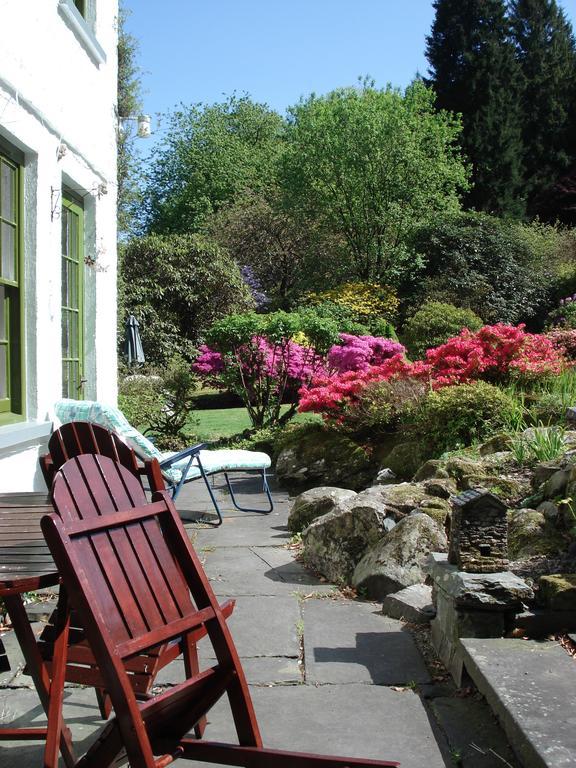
(276, 50)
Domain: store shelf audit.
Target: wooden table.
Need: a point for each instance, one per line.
(26, 566)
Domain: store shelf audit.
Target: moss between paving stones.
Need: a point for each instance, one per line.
(558, 592)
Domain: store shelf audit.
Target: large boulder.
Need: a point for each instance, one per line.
(398, 560)
(404, 459)
(335, 542)
(404, 498)
(322, 457)
(314, 503)
(531, 533)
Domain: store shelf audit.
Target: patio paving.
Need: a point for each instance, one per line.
(327, 674)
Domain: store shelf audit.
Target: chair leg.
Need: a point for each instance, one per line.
(265, 488)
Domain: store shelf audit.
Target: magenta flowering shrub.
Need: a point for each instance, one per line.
(262, 372)
(357, 353)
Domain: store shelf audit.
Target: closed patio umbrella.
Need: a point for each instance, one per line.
(133, 343)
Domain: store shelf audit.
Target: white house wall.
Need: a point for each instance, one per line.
(57, 106)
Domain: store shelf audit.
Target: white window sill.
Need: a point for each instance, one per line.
(12, 435)
(84, 34)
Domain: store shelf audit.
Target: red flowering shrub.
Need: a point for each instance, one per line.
(494, 353)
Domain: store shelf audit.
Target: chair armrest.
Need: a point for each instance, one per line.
(194, 449)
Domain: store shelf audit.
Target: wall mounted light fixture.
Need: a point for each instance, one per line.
(143, 122)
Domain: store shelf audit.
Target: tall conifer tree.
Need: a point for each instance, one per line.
(546, 51)
(474, 71)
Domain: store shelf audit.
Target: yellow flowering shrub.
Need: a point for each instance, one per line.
(365, 300)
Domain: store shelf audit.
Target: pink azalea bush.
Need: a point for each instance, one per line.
(495, 353)
(261, 372)
(357, 353)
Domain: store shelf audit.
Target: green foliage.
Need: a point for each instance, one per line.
(540, 444)
(546, 52)
(178, 390)
(481, 263)
(177, 286)
(129, 104)
(457, 416)
(141, 398)
(209, 155)
(287, 253)
(382, 406)
(368, 164)
(474, 72)
(434, 323)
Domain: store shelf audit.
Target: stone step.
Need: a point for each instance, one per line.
(530, 688)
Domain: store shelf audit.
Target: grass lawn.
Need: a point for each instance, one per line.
(214, 423)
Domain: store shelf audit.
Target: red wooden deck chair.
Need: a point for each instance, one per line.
(137, 582)
(81, 438)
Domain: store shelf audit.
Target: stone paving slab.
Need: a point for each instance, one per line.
(265, 626)
(530, 686)
(351, 642)
(266, 670)
(246, 530)
(352, 720)
(240, 571)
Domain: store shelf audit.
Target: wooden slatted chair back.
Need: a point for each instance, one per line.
(78, 437)
(93, 486)
(138, 587)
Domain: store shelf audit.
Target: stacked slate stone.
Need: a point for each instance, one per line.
(478, 533)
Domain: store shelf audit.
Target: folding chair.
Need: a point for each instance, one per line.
(137, 582)
(193, 463)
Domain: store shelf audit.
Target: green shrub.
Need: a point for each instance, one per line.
(178, 390)
(382, 405)
(141, 399)
(484, 263)
(434, 323)
(457, 416)
(178, 286)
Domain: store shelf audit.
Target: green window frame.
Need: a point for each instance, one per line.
(11, 289)
(72, 299)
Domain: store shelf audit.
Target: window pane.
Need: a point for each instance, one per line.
(65, 335)
(64, 231)
(3, 314)
(8, 210)
(65, 382)
(65, 292)
(3, 372)
(8, 241)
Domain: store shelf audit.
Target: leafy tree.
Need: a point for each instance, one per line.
(177, 286)
(129, 103)
(368, 164)
(209, 155)
(546, 50)
(481, 263)
(474, 71)
(287, 253)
